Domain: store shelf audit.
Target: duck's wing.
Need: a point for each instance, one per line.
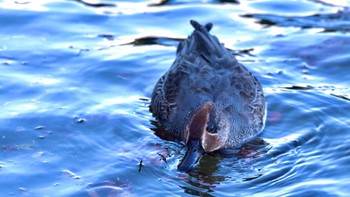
(238, 86)
(199, 50)
(166, 91)
(159, 103)
(200, 62)
(252, 100)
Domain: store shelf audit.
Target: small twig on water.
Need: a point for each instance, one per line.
(140, 165)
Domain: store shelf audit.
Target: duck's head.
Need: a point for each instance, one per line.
(206, 132)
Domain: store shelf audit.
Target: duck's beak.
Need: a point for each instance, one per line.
(192, 156)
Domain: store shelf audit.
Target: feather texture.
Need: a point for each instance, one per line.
(205, 71)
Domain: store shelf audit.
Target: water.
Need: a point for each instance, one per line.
(76, 79)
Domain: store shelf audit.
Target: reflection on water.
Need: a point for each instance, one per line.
(76, 77)
(328, 22)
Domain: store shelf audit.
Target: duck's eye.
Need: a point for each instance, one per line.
(212, 129)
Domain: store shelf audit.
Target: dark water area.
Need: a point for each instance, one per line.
(76, 79)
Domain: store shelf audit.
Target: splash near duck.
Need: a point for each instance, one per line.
(207, 98)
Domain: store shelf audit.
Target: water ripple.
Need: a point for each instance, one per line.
(76, 79)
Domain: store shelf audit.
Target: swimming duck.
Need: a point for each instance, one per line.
(208, 99)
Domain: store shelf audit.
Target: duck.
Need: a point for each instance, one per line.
(207, 99)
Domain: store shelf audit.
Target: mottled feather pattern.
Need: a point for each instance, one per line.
(205, 71)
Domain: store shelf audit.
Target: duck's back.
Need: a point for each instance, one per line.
(205, 71)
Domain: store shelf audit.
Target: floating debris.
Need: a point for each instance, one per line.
(163, 158)
(140, 165)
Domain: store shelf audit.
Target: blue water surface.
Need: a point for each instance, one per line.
(76, 79)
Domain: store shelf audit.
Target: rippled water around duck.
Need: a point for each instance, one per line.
(76, 79)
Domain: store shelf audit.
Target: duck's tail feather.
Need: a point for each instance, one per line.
(202, 42)
(199, 27)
